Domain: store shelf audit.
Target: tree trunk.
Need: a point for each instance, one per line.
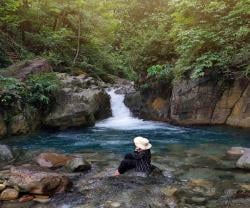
(78, 40)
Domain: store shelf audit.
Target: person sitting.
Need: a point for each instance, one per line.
(140, 160)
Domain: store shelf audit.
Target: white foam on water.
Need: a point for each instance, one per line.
(122, 118)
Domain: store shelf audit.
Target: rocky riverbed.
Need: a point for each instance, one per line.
(185, 178)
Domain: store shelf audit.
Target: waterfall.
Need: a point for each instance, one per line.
(122, 118)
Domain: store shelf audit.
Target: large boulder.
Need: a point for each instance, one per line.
(52, 160)
(37, 180)
(3, 128)
(5, 153)
(80, 101)
(23, 69)
(150, 107)
(244, 161)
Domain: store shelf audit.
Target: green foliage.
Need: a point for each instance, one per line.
(127, 38)
(37, 91)
(11, 91)
(40, 89)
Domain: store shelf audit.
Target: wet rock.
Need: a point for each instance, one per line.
(52, 160)
(78, 164)
(79, 102)
(5, 153)
(236, 152)
(26, 198)
(38, 180)
(9, 194)
(244, 161)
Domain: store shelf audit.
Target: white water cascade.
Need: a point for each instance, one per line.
(122, 118)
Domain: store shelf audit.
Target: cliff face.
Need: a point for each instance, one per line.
(80, 101)
(203, 101)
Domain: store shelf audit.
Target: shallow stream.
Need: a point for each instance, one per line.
(191, 158)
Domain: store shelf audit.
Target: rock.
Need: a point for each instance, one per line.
(26, 198)
(245, 187)
(115, 204)
(5, 153)
(79, 102)
(240, 115)
(9, 194)
(198, 200)
(193, 101)
(152, 108)
(52, 160)
(78, 164)
(41, 200)
(18, 125)
(38, 180)
(2, 187)
(201, 101)
(169, 190)
(244, 161)
(236, 152)
(23, 69)
(3, 128)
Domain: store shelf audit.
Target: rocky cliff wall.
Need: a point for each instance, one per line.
(200, 102)
(80, 101)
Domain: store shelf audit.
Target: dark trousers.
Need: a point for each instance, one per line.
(127, 163)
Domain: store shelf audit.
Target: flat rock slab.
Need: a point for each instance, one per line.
(37, 180)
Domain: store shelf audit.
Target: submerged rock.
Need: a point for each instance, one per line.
(244, 161)
(52, 160)
(38, 180)
(5, 153)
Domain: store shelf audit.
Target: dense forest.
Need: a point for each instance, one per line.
(135, 39)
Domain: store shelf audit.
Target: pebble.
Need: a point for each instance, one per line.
(198, 200)
(9, 194)
(26, 198)
(41, 200)
(115, 204)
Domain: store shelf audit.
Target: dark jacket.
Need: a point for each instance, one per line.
(142, 161)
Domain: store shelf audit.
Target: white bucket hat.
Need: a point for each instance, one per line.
(142, 143)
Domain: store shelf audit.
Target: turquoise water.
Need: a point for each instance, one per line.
(121, 141)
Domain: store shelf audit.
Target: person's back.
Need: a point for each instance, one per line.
(143, 161)
(140, 159)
